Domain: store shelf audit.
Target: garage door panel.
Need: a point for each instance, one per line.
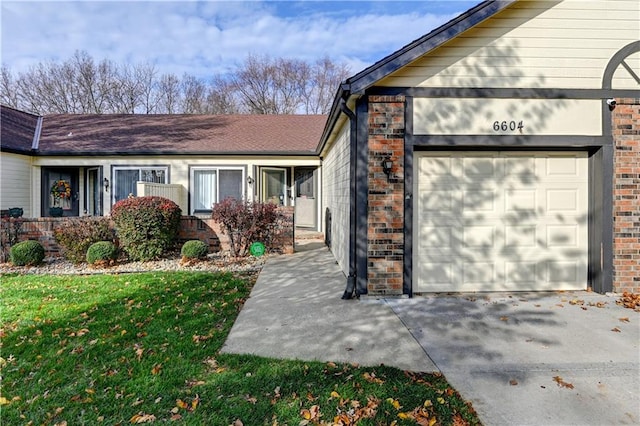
(512, 221)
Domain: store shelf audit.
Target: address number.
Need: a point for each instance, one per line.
(504, 126)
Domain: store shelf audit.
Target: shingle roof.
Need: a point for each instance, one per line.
(17, 130)
(68, 134)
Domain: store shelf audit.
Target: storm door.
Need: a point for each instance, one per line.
(306, 199)
(93, 196)
(274, 186)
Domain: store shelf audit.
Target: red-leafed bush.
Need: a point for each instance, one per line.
(146, 226)
(77, 235)
(246, 223)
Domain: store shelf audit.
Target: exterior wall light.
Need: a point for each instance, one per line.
(106, 184)
(250, 180)
(387, 165)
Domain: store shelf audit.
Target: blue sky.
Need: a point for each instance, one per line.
(204, 38)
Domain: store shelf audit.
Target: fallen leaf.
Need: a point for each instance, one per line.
(504, 318)
(156, 369)
(625, 319)
(513, 382)
(335, 394)
(371, 378)
(143, 418)
(616, 330)
(562, 383)
(395, 403)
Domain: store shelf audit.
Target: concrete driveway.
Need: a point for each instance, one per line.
(534, 359)
(521, 359)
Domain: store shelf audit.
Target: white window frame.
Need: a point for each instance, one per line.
(115, 169)
(217, 169)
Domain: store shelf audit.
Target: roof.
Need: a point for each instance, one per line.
(120, 134)
(17, 130)
(368, 77)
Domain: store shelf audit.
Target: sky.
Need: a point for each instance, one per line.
(205, 38)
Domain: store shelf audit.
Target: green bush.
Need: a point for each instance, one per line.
(146, 226)
(194, 249)
(27, 253)
(75, 236)
(102, 251)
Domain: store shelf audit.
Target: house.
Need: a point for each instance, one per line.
(195, 160)
(499, 152)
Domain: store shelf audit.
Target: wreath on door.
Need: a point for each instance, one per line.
(61, 190)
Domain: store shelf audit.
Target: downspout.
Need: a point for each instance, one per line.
(351, 278)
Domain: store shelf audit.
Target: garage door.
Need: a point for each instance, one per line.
(500, 221)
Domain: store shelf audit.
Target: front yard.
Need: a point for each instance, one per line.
(141, 348)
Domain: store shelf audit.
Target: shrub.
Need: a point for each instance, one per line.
(194, 249)
(246, 223)
(75, 237)
(27, 253)
(102, 252)
(146, 226)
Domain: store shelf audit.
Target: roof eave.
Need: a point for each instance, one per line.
(357, 84)
(369, 76)
(175, 153)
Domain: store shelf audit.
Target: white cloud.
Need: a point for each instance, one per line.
(204, 38)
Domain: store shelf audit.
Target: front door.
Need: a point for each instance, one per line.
(306, 199)
(60, 191)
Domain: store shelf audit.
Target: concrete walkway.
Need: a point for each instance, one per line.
(295, 312)
(521, 359)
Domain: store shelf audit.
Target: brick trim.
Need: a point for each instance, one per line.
(626, 195)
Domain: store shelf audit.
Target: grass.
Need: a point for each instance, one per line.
(142, 348)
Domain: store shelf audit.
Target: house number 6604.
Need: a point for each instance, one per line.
(507, 126)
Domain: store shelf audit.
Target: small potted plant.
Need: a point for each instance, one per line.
(16, 212)
(60, 191)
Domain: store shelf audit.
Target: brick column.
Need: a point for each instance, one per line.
(626, 196)
(385, 235)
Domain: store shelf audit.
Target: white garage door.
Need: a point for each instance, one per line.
(498, 221)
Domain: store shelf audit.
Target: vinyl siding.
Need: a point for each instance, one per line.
(542, 44)
(15, 182)
(335, 195)
(178, 168)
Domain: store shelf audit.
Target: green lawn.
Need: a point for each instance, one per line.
(143, 348)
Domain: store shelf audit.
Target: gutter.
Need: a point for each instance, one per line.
(351, 278)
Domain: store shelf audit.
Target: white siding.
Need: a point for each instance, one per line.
(335, 195)
(533, 44)
(178, 168)
(15, 182)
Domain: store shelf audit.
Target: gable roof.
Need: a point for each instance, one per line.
(358, 83)
(120, 134)
(17, 130)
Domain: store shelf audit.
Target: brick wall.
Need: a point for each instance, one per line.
(41, 229)
(385, 236)
(626, 196)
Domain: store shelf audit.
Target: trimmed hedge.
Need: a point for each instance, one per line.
(146, 226)
(27, 253)
(101, 252)
(194, 249)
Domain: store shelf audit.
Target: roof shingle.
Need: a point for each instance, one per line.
(180, 134)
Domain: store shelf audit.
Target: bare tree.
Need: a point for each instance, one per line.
(194, 95)
(169, 94)
(261, 85)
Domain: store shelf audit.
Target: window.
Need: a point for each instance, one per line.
(210, 185)
(126, 178)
